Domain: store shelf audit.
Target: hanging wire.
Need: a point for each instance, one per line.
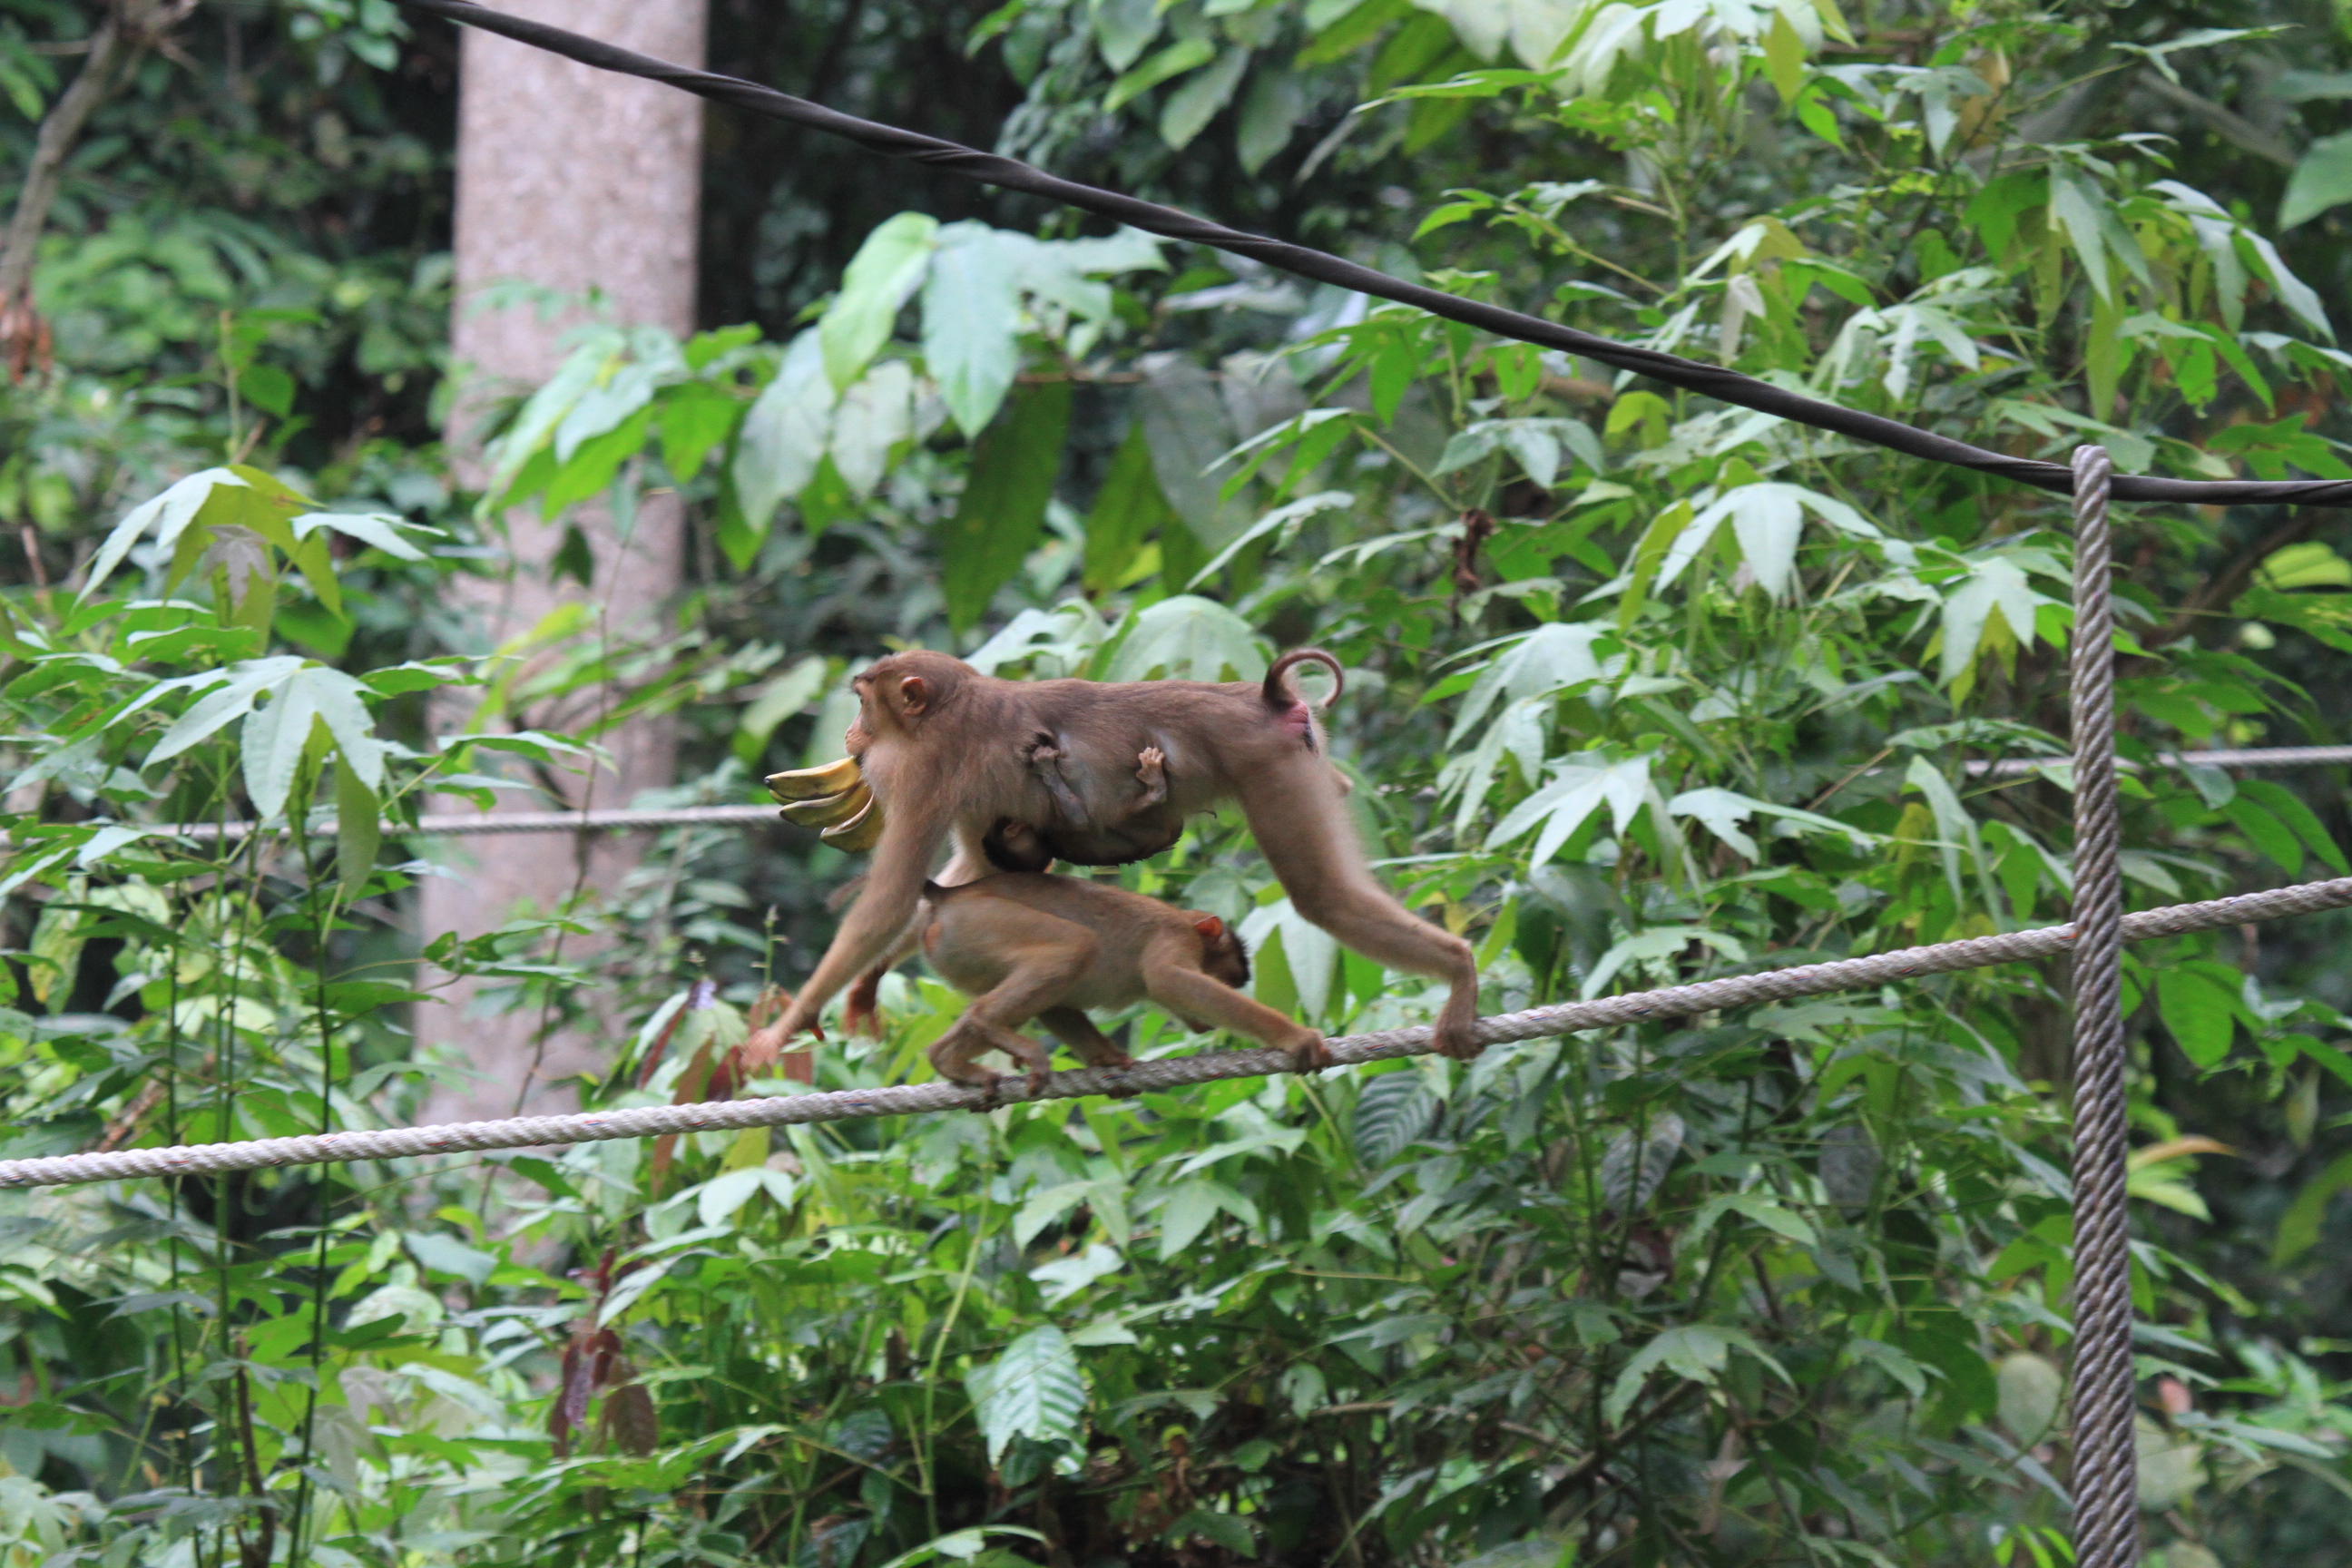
(1321, 266)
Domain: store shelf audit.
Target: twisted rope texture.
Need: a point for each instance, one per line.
(1173, 1072)
(2106, 1466)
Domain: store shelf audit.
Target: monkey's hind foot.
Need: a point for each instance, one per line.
(1151, 772)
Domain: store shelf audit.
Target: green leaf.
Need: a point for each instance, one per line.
(880, 278)
(2201, 1016)
(1034, 1390)
(1003, 508)
(359, 830)
(168, 514)
(1270, 114)
(2289, 808)
(2299, 1226)
(1186, 638)
(1392, 1110)
(784, 435)
(694, 418)
(2322, 179)
(778, 701)
(235, 689)
(1190, 107)
(447, 1255)
(1698, 1351)
(1128, 510)
(1185, 54)
(873, 418)
(971, 321)
(1124, 29)
(591, 467)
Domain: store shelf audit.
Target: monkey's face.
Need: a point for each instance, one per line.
(1222, 957)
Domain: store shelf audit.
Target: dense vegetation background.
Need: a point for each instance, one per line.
(1640, 689)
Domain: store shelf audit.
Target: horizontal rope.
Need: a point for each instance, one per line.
(461, 824)
(1171, 223)
(2256, 757)
(1172, 1072)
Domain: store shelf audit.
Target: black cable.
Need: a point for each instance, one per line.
(1711, 381)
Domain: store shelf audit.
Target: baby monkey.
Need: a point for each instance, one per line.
(1025, 945)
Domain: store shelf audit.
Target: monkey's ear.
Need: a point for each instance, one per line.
(915, 692)
(1210, 926)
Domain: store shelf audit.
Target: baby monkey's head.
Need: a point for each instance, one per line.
(1222, 957)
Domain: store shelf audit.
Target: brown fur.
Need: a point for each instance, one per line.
(1050, 948)
(951, 753)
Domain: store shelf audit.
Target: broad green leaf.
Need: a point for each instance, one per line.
(784, 433)
(1034, 1390)
(1307, 949)
(1556, 655)
(1652, 945)
(971, 320)
(1124, 29)
(1562, 805)
(1128, 510)
(2322, 179)
(546, 408)
(2202, 1014)
(236, 689)
(1270, 115)
(377, 529)
(1392, 1112)
(1190, 107)
(2031, 1388)
(1003, 508)
(1995, 585)
(880, 278)
(359, 830)
(2299, 1226)
(1185, 54)
(873, 418)
(778, 701)
(1698, 1351)
(602, 407)
(1186, 638)
(694, 418)
(168, 514)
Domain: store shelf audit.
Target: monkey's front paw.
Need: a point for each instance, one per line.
(1310, 1055)
(1038, 1078)
(1457, 1042)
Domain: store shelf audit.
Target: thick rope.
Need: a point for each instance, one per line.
(464, 825)
(1712, 381)
(1172, 1072)
(2106, 1462)
(2256, 758)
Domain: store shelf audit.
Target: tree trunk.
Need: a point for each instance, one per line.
(569, 179)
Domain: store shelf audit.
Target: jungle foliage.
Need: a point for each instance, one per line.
(1640, 690)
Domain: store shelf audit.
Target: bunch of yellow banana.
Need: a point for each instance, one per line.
(834, 798)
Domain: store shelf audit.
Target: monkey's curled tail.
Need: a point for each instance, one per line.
(1279, 694)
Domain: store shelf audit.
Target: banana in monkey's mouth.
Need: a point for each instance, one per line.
(834, 798)
(809, 784)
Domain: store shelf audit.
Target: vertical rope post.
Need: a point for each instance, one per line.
(2105, 1459)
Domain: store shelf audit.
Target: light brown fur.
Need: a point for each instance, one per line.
(1051, 948)
(950, 752)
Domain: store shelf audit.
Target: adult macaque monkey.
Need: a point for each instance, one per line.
(1028, 946)
(940, 749)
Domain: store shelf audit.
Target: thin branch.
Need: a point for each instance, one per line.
(60, 131)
